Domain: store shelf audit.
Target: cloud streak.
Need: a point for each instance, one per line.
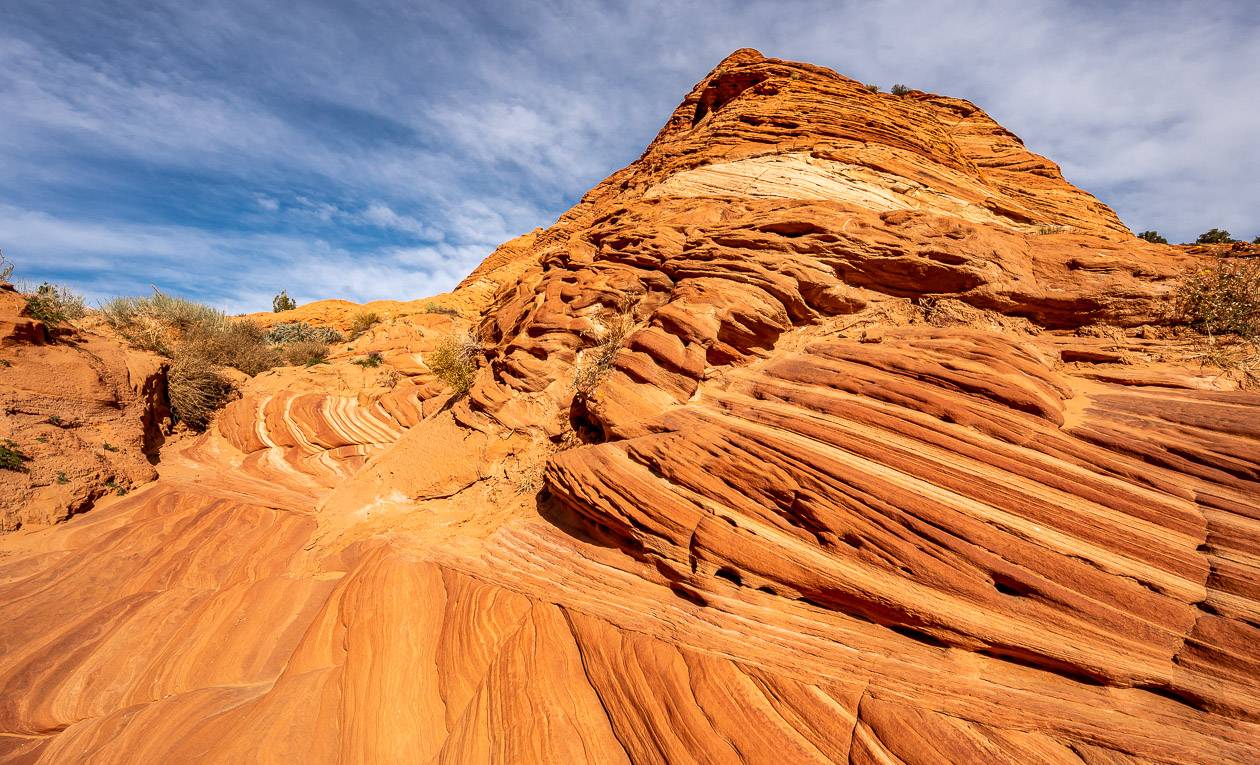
(229, 150)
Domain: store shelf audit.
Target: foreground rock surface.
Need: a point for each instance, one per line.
(834, 429)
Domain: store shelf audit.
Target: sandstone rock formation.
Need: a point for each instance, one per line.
(88, 412)
(836, 428)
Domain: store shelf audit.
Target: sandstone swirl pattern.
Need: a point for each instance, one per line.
(887, 468)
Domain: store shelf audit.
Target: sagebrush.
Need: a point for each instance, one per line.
(300, 331)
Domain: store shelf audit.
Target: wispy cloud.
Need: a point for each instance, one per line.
(228, 150)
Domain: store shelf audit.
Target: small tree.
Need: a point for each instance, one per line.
(1154, 237)
(283, 302)
(6, 270)
(1256, 240)
(900, 90)
(872, 87)
(1214, 236)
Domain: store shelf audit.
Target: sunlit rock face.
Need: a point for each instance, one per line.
(838, 428)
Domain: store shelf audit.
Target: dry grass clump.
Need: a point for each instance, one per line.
(370, 361)
(597, 361)
(454, 361)
(305, 352)
(196, 390)
(52, 304)
(363, 321)
(238, 344)
(439, 309)
(156, 323)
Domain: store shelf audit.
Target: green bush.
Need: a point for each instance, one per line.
(900, 90)
(282, 302)
(55, 305)
(871, 87)
(11, 458)
(300, 331)
(1256, 240)
(372, 360)
(1214, 236)
(454, 361)
(1223, 299)
(1154, 237)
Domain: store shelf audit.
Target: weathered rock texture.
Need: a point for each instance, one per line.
(834, 429)
(90, 414)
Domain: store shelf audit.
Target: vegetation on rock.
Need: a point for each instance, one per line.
(1154, 237)
(454, 362)
(1223, 299)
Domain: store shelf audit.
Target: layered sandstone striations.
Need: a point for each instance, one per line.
(839, 427)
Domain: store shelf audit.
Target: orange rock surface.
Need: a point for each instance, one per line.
(836, 428)
(89, 414)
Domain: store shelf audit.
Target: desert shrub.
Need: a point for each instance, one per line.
(300, 331)
(899, 90)
(1256, 240)
(200, 341)
(12, 458)
(1154, 237)
(1214, 236)
(282, 302)
(55, 305)
(196, 390)
(363, 321)
(371, 360)
(871, 87)
(305, 352)
(440, 309)
(6, 270)
(1224, 299)
(240, 344)
(454, 361)
(597, 361)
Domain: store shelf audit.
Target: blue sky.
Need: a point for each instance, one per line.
(226, 150)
